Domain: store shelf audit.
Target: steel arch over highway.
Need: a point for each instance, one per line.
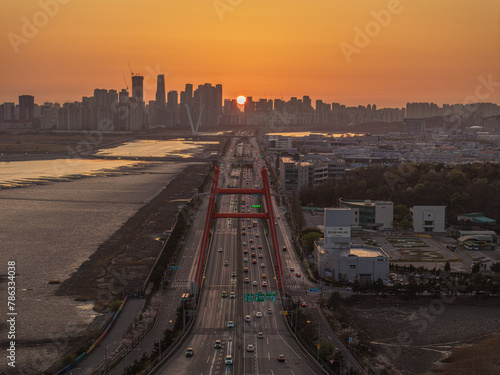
(269, 215)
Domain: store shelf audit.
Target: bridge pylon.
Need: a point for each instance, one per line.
(265, 190)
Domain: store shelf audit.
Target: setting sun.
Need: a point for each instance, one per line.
(241, 99)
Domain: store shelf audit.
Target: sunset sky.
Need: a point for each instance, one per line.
(417, 50)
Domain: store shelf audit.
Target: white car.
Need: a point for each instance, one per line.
(258, 314)
(254, 283)
(230, 324)
(248, 318)
(250, 348)
(232, 295)
(220, 249)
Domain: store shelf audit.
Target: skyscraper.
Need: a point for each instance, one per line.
(26, 107)
(138, 88)
(208, 104)
(186, 100)
(160, 90)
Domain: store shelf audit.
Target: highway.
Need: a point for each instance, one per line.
(239, 261)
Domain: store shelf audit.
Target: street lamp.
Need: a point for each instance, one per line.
(319, 325)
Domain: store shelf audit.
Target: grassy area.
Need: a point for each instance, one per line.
(421, 254)
(480, 358)
(407, 242)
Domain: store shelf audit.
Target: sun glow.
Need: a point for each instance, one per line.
(241, 99)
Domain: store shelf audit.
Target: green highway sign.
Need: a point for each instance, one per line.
(260, 297)
(271, 296)
(248, 298)
(255, 205)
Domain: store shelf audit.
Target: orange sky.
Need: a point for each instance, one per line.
(429, 50)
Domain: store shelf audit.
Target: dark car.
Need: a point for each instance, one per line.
(281, 357)
(189, 352)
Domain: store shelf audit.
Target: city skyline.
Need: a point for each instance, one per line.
(368, 52)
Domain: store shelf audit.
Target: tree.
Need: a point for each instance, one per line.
(495, 267)
(447, 267)
(475, 268)
(405, 224)
(401, 211)
(309, 240)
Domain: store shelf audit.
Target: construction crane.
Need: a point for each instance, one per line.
(126, 84)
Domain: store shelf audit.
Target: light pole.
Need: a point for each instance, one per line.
(319, 326)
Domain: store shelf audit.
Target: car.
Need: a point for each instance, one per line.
(245, 260)
(264, 275)
(254, 261)
(259, 247)
(245, 269)
(303, 304)
(250, 348)
(244, 243)
(189, 352)
(258, 314)
(233, 274)
(348, 288)
(297, 274)
(260, 335)
(245, 251)
(228, 360)
(217, 344)
(253, 255)
(220, 249)
(269, 311)
(264, 283)
(292, 269)
(254, 283)
(224, 294)
(247, 280)
(226, 263)
(252, 247)
(262, 265)
(251, 240)
(281, 358)
(257, 235)
(249, 226)
(232, 295)
(230, 324)
(261, 256)
(243, 233)
(284, 248)
(247, 318)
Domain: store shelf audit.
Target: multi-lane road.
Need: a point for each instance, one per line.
(239, 262)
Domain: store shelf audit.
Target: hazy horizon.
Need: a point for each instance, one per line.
(369, 52)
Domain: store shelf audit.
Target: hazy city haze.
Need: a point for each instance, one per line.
(354, 52)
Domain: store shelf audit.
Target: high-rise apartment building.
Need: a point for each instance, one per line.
(138, 88)
(26, 107)
(207, 103)
(160, 90)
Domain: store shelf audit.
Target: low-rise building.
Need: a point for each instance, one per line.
(428, 218)
(334, 257)
(369, 214)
